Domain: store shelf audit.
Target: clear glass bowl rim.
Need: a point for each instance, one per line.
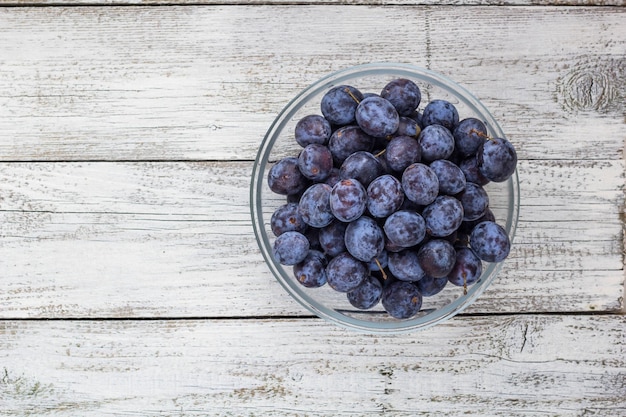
(418, 74)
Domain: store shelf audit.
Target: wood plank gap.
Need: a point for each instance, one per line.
(150, 319)
(296, 317)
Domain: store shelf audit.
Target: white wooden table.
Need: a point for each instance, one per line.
(130, 279)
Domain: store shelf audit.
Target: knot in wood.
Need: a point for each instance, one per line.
(595, 86)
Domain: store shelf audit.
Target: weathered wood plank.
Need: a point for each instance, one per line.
(175, 240)
(200, 188)
(206, 82)
(497, 366)
(329, 2)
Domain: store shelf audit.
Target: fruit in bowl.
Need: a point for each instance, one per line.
(379, 209)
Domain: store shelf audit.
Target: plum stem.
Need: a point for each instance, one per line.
(382, 271)
(480, 134)
(347, 90)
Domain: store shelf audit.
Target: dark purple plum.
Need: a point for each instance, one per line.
(348, 199)
(366, 295)
(443, 216)
(362, 166)
(405, 266)
(437, 257)
(490, 242)
(345, 273)
(405, 228)
(314, 205)
(401, 299)
(401, 152)
(436, 142)
(469, 135)
(311, 272)
(287, 219)
(364, 239)
(384, 196)
(312, 129)
(377, 117)
(467, 268)
(339, 104)
(290, 248)
(315, 162)
(451, 178)
(403, 94)
(332, 238)
(285, 178)
(496, 159)
(475, 201)
(348, 140)
(420, 184)
(440, 112)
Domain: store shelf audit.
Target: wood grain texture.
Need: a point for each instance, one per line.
(174, 239)
(308, 2)
(204, 83)
(496, 366)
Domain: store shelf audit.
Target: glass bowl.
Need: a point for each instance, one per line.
(279, 142)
